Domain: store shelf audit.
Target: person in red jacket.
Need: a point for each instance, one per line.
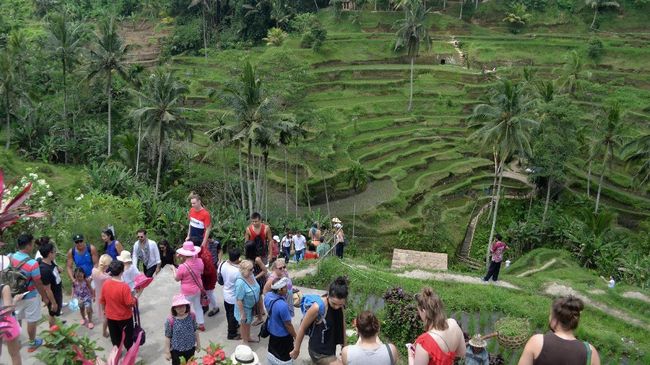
(208, 277)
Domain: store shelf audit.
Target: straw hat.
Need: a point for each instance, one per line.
(336, 220)
(244, 355)
(125, 256)
(188, 249)
(179, 299)
(477, 341)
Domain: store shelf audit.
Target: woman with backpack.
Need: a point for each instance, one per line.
(559, 346)
(369, 349)
(181, 335)
(324, 321)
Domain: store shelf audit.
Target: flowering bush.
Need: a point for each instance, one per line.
(41, 192)
(13, 208)
(214, 355)
(65, 347)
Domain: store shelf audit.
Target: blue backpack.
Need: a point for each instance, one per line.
(306, 303)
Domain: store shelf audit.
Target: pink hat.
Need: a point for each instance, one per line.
(142, 281)
(188, 249)
(179, 299)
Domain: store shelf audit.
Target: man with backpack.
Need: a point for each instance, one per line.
(260, 233)
(24, 276)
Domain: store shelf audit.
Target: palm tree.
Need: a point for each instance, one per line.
(411, 31)
(638, 151)
(573, 71)
(106, 57)
(205, 7)
(8, 85)
(609, 140)
(161, 112)
(597, 4)
(504, 125)
(254, 112)
(65, 40)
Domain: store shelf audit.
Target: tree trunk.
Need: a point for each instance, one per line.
(296, 188)
(8, 116)
(286, 183)
(600, 183)
(494, 216)
(327, 199)
(226, 182)
(137, 154)
(109, 91)
(241, 180)
(205, 34)
(476, 3)
(248, 177)
(65, 111)
(444, 4)
(462, 2)
(266, 185)
(593, 21)
(160, 150)
(411, 92)
(494, 185)
(307, 191)
(548, 197)
(589, 179)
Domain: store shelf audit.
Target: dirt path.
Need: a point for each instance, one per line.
(532, 271)
(443, 276)
(144, 43)
(556, 289)
(636, 295)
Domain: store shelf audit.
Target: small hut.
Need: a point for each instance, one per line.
(347, 5)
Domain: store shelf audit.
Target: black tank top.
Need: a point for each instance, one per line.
(558, 351)
(324, 336)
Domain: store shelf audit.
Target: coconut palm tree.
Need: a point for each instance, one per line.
(107, 57)
(597, 4)
(65, 41)
(610, 140)
(573, 72)
(638, 151)
(411, 31)
(161, 113)
(505, 126)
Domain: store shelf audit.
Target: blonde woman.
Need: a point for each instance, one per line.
(443, 340)
(98, 277)
(247, 293)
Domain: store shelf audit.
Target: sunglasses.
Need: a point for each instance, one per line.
(141, 237)
(281, 267)
(79, 241)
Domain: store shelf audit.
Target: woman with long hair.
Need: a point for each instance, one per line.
(443, 340)
(112, 247)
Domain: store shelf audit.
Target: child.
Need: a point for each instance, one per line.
(99, 276)
(181, 335)
(82, 290)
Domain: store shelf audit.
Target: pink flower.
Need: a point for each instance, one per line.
(209, 360)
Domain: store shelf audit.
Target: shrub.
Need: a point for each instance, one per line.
(314, 37)
(401, 322)
(595, 49)
(113, 179)
(186, 37)
(64, 345)
(517, 18)
(307, 40)
(302, 22)
(275, 37)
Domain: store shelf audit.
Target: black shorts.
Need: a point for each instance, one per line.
(58, 297)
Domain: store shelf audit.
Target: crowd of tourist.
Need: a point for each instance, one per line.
(257, 291)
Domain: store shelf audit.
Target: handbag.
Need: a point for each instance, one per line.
(205, 301)
(137, 328)
(264, 330)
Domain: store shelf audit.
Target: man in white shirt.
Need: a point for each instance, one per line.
(286, 242)
(229, 272)
(299, 244)
(146, 251)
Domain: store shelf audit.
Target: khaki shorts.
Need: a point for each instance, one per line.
(29, 309)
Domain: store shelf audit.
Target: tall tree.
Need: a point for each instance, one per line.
(161, 112)
(411, 31)
(107, 56)
(205, 8)
(610, 140)
(597, 4)
(65, 41)
(637, 151)
(504, 124)
(573, 71)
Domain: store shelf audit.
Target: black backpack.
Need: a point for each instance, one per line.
(219, 276)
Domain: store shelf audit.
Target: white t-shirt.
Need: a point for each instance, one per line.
(128, 276)
(286, 241)
(229, 272)
(299, 242)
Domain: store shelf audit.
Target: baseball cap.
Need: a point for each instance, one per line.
(78, 237)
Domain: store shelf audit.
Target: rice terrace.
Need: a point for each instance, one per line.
(427, 131)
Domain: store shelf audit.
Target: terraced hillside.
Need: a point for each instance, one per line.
(356, 90)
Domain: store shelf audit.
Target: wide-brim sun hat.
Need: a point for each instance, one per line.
(477, 341)
(188, 249)
(125, 256)
(336, 220)
(179, 299)
(244, 355)
(142, 281)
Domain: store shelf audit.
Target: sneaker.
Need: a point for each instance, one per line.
(202, 328)
(213, 312)
(33, 345)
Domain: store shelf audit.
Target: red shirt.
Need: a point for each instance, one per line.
(117, 298)
(200, 219)
(311, 255)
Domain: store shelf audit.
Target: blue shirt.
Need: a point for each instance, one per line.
(279, 314)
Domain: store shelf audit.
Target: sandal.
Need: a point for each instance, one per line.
(90, 325)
